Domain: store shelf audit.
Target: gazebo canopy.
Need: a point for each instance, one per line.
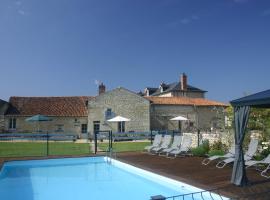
(241, 114)
(260, 100)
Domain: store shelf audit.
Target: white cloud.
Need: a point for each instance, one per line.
(97, 82)
(21, 12)
(240, 1)
(18, 3)
(185, 21)
(266, 13)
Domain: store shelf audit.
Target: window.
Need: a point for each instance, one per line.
(12, 123)
(96, 126)
(84, 128)
(121, 127)
(59, 128)
(108, 113)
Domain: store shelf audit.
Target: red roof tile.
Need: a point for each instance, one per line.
(50, 106)
(183, 101)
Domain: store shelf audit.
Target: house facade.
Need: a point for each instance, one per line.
(203, 114)
(118, 102)
(69, 114)
(83, 115)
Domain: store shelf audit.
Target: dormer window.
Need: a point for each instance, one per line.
(161, 87)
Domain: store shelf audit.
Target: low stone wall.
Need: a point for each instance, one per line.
(225, 137)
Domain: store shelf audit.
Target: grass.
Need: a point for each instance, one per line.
(124, 146)
(18, 149)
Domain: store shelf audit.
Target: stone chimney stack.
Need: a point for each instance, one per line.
(101, 89)
(183, 81)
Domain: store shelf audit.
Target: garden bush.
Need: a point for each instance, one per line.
(201, 150)
(218, 146)
(216, 152)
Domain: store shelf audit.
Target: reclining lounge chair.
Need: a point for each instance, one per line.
(184, 148)
(177, 139)
(164, 144)
(230, 154)
(156, 143)
(252, 148)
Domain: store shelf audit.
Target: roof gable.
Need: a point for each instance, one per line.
(51, 106)
(122, 90)
(3, 107)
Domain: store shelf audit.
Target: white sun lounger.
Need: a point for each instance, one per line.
(256, 163)
(167, 139)
(184, 148)
(263, 173)
(156, 143)
(252, 148)
(230, 154)
(177, 139)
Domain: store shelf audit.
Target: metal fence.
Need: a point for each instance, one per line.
(42, 144)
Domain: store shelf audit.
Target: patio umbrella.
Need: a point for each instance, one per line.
(179, 119)
(38, 118)
(119, 119)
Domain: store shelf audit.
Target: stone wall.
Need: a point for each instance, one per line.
(121, 102)
(224, 137)
(180, 94)
(68, 125)
(204, 117)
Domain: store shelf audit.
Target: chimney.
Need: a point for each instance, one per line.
(183, 81)
(101, 89)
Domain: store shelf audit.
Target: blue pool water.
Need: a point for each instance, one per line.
(83, 179)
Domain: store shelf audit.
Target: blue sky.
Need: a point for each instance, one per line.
(63, 47)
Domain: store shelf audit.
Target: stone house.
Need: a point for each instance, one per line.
(152, 112)
(119, 101)
(69, 114)
(176, 89)
(83, 115)
(3, 109)
(202, 113)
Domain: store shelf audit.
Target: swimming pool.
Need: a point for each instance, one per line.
(83, 179)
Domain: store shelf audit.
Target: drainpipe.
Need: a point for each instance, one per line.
(197, 124)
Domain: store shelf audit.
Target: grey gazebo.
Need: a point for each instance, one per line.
(241, 113)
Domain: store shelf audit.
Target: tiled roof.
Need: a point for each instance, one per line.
(183, 101)
(50, 106)
(3, 107)
(176, 86)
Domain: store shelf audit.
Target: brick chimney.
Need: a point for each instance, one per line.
(101, 89)
(183, 81)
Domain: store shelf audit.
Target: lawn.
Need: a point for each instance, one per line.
(124, 146)
(18, 149)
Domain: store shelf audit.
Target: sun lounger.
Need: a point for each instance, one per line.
(177, 139)
(252, 148)
(264, 172)
(156, 143)
(251, 163)
(256, 163)
(184, 148)
(230, 154)
(164, 145)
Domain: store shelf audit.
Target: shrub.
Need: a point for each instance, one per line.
(202, 149)
(218, 146)
(216, 152)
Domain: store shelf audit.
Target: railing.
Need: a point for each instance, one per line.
(203, 195)
(41, 144)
